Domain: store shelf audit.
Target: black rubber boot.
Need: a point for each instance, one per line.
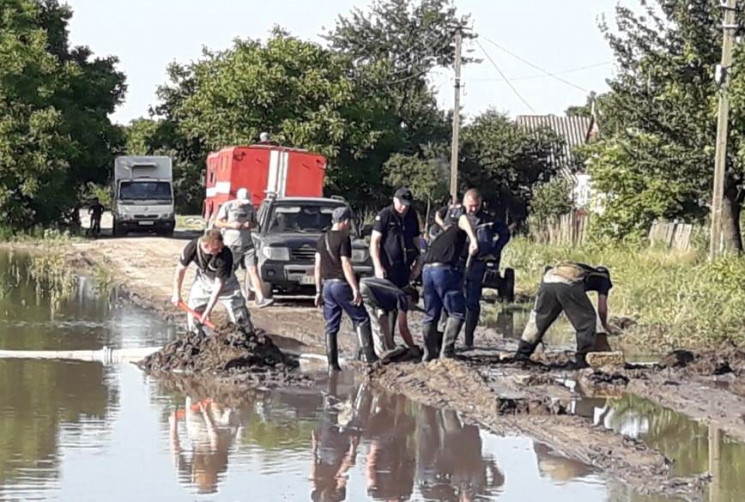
(364, 338)
(580, 361)
(431, 347)
(472, 320)
(524, 351)
(332, 352)
(452, 328)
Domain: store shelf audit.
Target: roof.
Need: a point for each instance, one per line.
(575, 131)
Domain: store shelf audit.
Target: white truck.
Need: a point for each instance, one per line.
(143, 195)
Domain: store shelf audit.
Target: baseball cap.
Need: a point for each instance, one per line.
(341, 214)
(243, 195)
(404, 195)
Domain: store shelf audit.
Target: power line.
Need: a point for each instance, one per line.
(534, 77)
(536, 67)
(504, 76)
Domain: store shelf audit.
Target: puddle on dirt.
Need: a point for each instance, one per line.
(88, 431)
(693, 447)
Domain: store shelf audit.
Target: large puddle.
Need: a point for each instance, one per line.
(89, 431)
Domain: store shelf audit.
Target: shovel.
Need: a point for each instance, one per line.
(196, 315)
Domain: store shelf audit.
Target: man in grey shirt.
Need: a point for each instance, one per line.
(236, 218)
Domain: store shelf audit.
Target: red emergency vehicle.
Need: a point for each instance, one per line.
(262, 169)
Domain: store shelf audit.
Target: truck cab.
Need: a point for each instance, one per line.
(143, 195)
(286, 242)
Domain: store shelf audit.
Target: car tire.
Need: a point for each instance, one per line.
(117, 230)
(266, 290)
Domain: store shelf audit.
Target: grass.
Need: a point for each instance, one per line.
(189, 222)
(678, 300)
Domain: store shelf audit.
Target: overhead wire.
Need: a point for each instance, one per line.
(536, 67)
(534, 77)
(504, 77)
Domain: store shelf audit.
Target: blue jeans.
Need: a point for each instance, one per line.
(337, 297)
(472, 288)
(443, 288)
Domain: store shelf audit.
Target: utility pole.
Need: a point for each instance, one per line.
(729, 27)
(456, 121)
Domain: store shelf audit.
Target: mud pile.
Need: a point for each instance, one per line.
(229, 353)
(728, 358)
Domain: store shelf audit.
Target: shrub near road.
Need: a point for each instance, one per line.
(678, 300)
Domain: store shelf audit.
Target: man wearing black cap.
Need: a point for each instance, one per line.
(337, 289)
(564, 288)
(393, 246)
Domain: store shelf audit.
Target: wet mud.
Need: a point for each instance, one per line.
(231, 354)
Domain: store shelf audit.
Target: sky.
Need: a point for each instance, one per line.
(555, 36)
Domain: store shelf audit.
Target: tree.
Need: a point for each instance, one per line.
(551, 199)
(658, 162)
(55, 134)
(505, 162)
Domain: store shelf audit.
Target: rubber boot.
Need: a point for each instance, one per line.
(452, 328)
(431, 347)
(524, 351)
(580, 361)
(472, 320)
(364, 338)
(332, 352)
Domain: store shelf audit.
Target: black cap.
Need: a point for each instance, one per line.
(404, 195)
(341, 214)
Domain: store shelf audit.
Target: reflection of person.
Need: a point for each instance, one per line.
(390, 461)
(236, 218)
(215, 280)
(334, 448)
(393, 246)
(450, 462)
(335, 274)
(211, 430)
(564, 288)
(386, 304)
(556, 467)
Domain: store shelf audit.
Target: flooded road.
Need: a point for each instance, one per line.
(89, 431)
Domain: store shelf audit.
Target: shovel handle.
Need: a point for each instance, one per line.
(196, 315)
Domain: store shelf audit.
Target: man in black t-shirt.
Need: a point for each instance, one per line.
(393, 246)
(215, 280)
(443, 287)
(95, 210)
(564, 288)
(337, 289)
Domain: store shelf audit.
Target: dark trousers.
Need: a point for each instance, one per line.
(472, 287)
(398, 274)
(95, 226)
(443, 288)
(337, 298)
(552, 299)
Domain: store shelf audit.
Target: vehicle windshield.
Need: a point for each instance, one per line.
(301, 218)
(145, 190)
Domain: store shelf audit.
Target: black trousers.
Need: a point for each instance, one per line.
(552, 299)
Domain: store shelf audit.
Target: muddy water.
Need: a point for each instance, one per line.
(86, 431)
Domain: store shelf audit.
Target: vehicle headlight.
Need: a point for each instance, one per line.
(359, 255)
(276, 253)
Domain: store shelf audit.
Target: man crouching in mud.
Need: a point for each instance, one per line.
(564, 287)
(337, 290)
(387, 305)
(215, 280)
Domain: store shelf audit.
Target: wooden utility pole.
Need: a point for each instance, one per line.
(729, 27)
(456, 121)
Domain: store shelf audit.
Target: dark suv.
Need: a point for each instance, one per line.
(286, 242)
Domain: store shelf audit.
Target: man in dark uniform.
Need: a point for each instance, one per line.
(492, 236)
(95, 210)
(443, 286)
(215, 280)
(393, 246)
(386, 303)
(340, 293)
(564, 287)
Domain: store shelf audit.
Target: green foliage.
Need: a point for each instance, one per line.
(551, 199)
(426, 177)
(55, 134)
(679, 300)
(505, 162)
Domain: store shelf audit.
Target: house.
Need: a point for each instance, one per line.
(575, 131)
